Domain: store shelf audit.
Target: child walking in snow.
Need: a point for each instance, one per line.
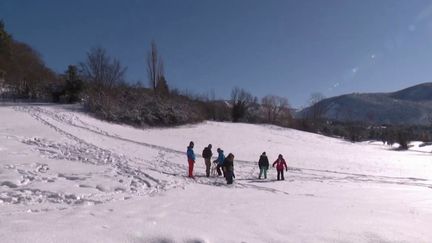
(263, 165)
(219, 161)
(280, 165)
(207, 154)
(191, 158)
(229, 168)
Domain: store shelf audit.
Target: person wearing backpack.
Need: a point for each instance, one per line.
(191, 158)
(207, 154)
(220, 160)
(280, 166)
(229, 168)
(263, 165)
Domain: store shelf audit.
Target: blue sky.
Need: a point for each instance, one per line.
(286, 48)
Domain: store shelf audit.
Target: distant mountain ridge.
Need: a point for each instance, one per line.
(410, 106)
(417, 93)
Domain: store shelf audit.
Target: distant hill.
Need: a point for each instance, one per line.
(411, 106)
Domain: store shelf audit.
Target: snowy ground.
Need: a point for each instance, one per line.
(67, 177)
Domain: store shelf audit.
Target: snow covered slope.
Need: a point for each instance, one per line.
(67, 177)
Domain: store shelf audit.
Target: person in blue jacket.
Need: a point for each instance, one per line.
(191, 158)
(220, 159)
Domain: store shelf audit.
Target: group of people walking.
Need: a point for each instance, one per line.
(225, 165)
(263, 164)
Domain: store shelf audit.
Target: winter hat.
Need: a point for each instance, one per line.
(191, 143)
(218, 149)
(280, 156)
(209, 146)
(263, 153)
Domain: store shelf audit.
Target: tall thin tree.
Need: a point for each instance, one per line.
(155, 68)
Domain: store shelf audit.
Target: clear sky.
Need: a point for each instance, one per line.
(282, 47)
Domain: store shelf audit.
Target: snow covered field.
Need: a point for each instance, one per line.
(67, 177)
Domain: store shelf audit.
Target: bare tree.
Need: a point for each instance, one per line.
(276, 109)
(155, 67)
(101, 69)
(268, 103)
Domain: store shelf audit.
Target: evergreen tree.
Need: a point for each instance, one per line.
(5, 48)
(162, 86)
(402, 138)
(74, 85)
(241, 102)
(5, 40)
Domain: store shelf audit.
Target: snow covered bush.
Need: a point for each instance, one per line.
(138, 106)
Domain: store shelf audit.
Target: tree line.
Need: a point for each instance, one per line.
(98, 82)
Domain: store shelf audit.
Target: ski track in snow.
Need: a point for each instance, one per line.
(254, 171)
(22, 193)
(139, 182)
(136, 177)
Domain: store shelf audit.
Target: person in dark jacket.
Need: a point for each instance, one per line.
(229, 168)
(219, 161)
(263, 165)
(280, 166)
(207, 154)
(191, 158)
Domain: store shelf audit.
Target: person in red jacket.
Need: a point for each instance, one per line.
(280, 166)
